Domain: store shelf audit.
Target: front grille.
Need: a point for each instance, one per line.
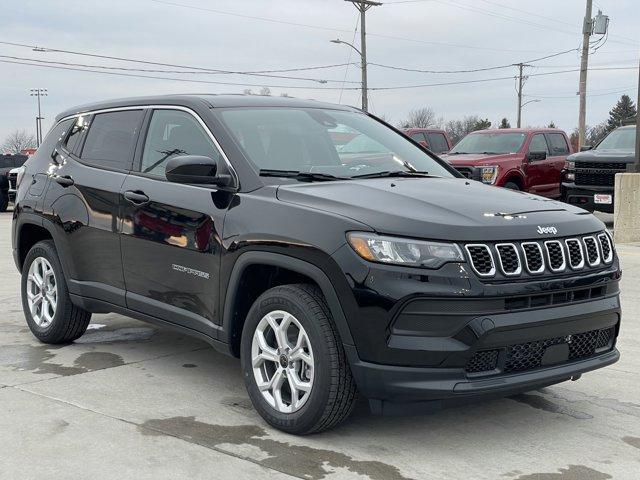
(601, 166)
(555, 255)
(509, 258)
(481, 259)
(576, 257)
(529, 356)
(469, 172)
(599, 179)
(539, 257)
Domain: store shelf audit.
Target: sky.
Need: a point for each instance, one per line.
(414, 34)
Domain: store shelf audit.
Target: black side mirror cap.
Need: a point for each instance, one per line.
(536, 156)
(195, 169)
(584, 148)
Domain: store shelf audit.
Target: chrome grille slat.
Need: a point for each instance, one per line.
(556, 256)
(592, 250)
(481, 259)
(576, 255)
(606, 249)
(533, 256)
(509, 259)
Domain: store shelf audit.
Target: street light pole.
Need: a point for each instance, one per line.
(363, 6)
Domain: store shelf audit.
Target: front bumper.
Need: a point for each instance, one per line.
(582, 196)
(452, 381)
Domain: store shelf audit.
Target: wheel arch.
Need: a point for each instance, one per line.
(30, 230)
(516, 177)
(285, 267)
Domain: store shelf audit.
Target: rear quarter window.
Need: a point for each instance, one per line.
(111, 139)
(558, 144)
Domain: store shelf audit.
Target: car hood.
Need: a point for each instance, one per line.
(477, 159)
(616, 155)
(441, 208)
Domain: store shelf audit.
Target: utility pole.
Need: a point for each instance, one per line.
(636, 167)
(39, 92)
(520, 85)
(584, 63)
(363, 6)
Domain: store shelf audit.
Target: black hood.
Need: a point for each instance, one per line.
(609, 155)
(442, 208)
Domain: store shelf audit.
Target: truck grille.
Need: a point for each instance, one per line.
(598, 173)
(529, 355)
(551, 256)
(471, 173)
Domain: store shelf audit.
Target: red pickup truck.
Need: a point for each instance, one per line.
(528, 159)
(435, 140)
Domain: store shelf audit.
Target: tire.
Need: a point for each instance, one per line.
(62, 323)
(4, 202)
(333, 392)
(512, 186)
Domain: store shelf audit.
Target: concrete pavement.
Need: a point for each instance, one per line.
(130, 400)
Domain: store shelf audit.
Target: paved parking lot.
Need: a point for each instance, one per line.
(129, 400)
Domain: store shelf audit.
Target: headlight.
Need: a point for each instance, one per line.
(403, 251)
(570, 176)
(569, 165)
(489, 174)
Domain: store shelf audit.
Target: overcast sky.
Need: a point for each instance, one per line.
(428, 34)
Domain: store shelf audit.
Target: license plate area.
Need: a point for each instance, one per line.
(603, 199)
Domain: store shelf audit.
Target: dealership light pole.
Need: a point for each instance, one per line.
(38, 92)
(362, 6)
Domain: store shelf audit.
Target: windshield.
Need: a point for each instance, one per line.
(333, 142)
(623, 139)
(490, 143)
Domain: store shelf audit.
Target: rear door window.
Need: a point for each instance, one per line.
(538, 144)
(558, 144)
(171, 133)
(438, 142)
(111, 139)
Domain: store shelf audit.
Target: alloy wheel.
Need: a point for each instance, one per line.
(282, 361)
(42, 292)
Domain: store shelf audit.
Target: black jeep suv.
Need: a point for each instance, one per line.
(380, 270)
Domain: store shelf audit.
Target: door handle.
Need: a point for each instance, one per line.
(137, 198)
(65, 181)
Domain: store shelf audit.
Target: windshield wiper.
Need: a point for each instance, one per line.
(299, 175)
(393, 173)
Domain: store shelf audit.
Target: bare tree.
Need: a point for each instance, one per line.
(423, 117)
(17, 141)
(457, 129)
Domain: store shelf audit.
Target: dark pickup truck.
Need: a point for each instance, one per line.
(7, 179)
(589, 176)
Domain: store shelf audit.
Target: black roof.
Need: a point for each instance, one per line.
(206, 100)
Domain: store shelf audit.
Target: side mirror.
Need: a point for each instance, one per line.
(195, 169)
(536, 156)
(584, 148)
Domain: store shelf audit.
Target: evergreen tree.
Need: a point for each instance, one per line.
(552, 125)
(504, 123)
(624, 110)
(481, 124)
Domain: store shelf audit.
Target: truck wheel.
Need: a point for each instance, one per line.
(293, 361)
(511, 186)
(47, 307)
(4, 202)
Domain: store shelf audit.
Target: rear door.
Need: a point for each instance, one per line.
(558, 151)
(172, 232)
(83, 200)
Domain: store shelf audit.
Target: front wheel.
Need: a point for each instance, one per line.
(512, 186)
(293, 361)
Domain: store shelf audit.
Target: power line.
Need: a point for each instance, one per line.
(471, 70)
(320, 27)
(148, 70)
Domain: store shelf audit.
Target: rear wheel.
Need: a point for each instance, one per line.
(51, 316)
(294, 364)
